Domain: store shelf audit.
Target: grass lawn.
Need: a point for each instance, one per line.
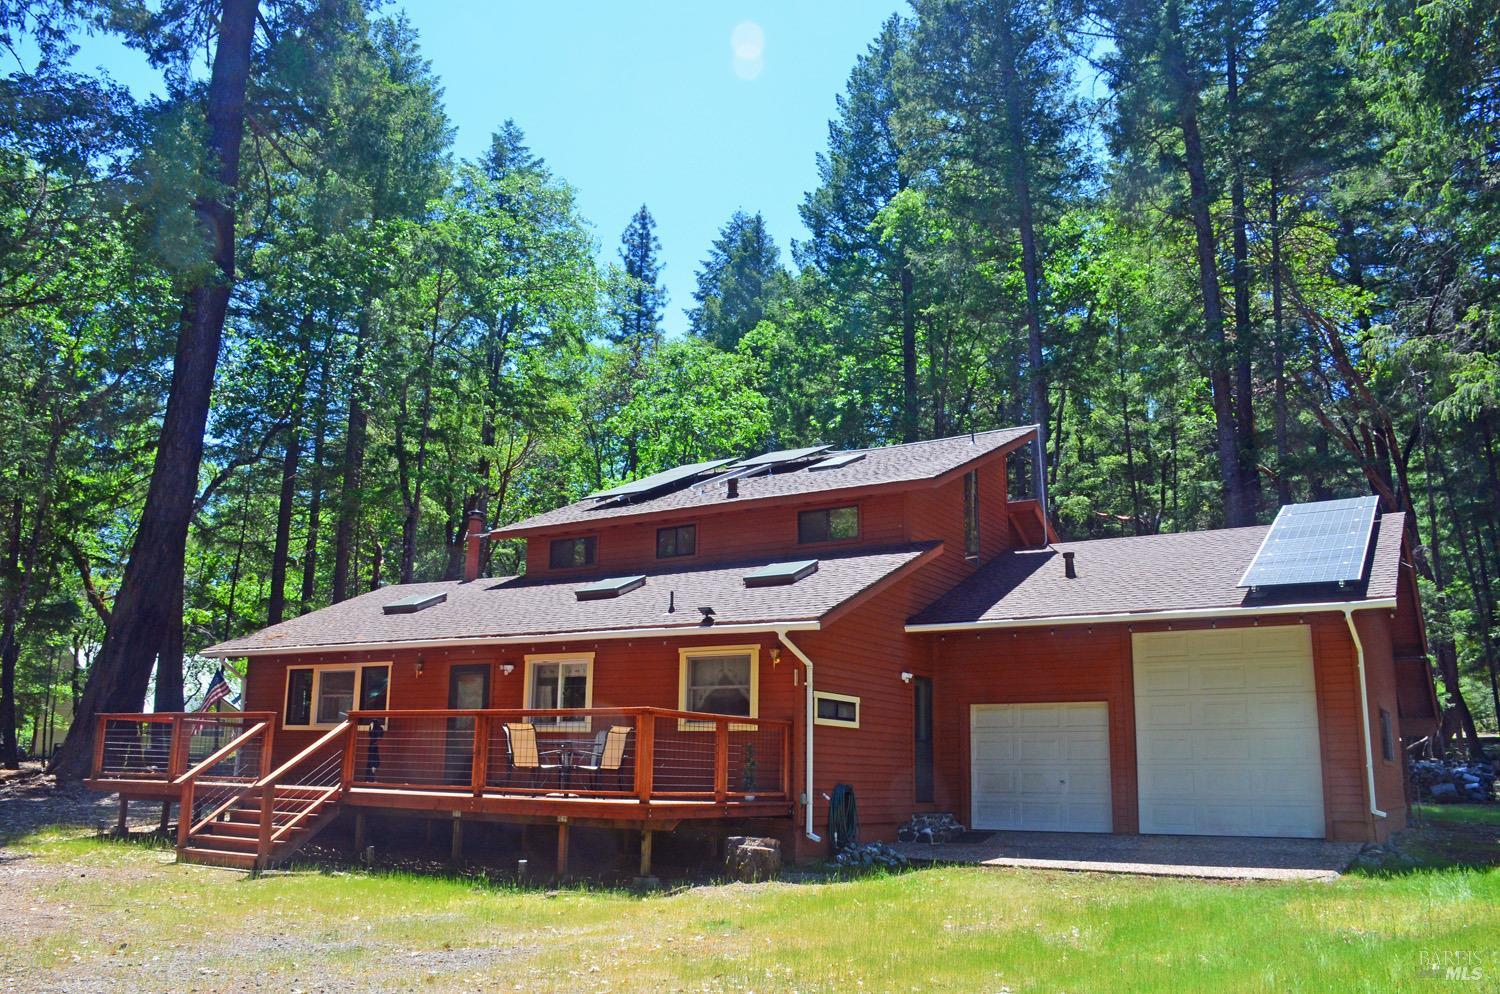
(85, 914)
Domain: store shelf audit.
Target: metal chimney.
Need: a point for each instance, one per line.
(1068, 569)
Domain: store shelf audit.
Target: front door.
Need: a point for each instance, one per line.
(468, 688)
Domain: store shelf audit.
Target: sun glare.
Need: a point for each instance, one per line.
(747, 42)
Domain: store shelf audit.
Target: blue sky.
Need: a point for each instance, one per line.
(662, 102)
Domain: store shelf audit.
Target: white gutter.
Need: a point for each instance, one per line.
(1364, 710)
(1186, 614)
(585, 636)
(807, 765)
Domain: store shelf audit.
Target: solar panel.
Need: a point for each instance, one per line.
(413, 603)
(657, 481)
(605, 589)
(781, 574)
(781, 456)
(838, 459)
(1322, 542)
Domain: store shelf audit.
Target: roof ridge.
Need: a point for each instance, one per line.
(946, 438)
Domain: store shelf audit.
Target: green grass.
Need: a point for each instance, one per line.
(951, 929)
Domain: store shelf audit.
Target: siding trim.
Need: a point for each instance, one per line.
(1183, 614)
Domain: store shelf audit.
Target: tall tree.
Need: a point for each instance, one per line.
(740, 278)
(640, 311)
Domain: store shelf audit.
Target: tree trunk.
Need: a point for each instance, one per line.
(315, 502)
(354, 462)
(291, 452)
(910, 398)
(143, 607)
(1244, 393)
(1185, 94)
(1278, 350)
(169, 694)
(1020, 170)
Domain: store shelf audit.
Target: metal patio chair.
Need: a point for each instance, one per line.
(609, 754)
(522, 751)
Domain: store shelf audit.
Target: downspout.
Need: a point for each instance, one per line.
(807, 763)
(1364, 710)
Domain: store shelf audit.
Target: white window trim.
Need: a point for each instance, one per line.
(318, 670)
(687, 652)
(819, 695)
(587, 658)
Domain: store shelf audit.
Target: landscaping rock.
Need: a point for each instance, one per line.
(871, 855)
(1449, 782)
(933, 828)
(750, 858)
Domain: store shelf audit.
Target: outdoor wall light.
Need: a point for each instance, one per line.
(420, 666)
(906, 678)
(775, 656)
(507, 668)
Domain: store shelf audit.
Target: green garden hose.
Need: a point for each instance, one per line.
(843, 818)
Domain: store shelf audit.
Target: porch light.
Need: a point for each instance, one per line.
(420, 666)
(507, 668)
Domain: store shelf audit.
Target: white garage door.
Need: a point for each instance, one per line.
(1040, 767)
(1226, 726)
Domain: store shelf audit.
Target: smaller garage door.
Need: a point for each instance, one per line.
(1040, 767)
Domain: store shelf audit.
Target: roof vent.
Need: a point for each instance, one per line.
(605, 589)
(414, 603)
(1069, 570)
(781, 574)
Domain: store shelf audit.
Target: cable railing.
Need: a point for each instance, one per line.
(221, 779)
(161, 747)
(644, 754)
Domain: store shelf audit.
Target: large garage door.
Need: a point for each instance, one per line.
(1042, 767)
(1227, 733)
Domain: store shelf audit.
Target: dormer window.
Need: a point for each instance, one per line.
(676, 541)
(571, 553)
(828, 524)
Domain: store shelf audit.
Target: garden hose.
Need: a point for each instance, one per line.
(843, 818)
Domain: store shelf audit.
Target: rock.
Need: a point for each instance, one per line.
(933, 828)
(750, 858)
(1443, 791)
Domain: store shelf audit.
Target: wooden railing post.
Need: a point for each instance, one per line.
(645, 753)
(185, 814)
(721, 761)
(786, 759)
(177, 750)
(266, 742)
(267, 810)
(351, 743)
(479, 766)
(100, 735)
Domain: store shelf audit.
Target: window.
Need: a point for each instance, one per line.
(835, 709)
(829, 524)
(720, 680)
(560, 682)
(1387, 738)
(320, 696)
(971, 513)
(679, 540)
(570, 553)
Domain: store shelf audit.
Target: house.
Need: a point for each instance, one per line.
(723, 643)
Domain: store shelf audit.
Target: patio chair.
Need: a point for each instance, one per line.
(522, 750)
(609, 754)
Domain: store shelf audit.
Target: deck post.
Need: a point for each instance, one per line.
(177, 749)
(166, 817)
(646, 835)
(721, 762)
(346, 770)
(457, 852)
(101, 732)
(120, 826)
(267, 814)
(480, 764)
(645, 754)
(359, 834)
(562, 848)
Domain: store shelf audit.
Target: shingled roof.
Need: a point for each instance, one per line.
(519, 608)
(1150, 574)
(885, 465)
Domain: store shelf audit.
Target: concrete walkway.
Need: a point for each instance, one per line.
(1149, 855)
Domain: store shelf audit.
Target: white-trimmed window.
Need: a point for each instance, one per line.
(838, 710)
(560, 682)
(321, 696)
(722, 679)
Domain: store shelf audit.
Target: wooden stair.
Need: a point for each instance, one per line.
(233, 838)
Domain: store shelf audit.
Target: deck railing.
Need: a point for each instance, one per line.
(658, 754)
(161, 747)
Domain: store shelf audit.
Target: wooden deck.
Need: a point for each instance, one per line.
(646, 769)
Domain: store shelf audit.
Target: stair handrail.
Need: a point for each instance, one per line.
(265, 837)
(188, 781)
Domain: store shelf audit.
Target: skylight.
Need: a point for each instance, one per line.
(781, 574)
(605, 589)
(414, 603)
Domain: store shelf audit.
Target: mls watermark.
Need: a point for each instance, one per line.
(1458, 965)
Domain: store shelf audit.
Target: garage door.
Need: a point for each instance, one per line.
(1040, 767)
(1227, 733)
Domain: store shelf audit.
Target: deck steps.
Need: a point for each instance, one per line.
(233, 838)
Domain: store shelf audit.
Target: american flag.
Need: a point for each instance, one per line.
(218, 690)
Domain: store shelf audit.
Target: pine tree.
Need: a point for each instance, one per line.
(640, 310)
(737, 281)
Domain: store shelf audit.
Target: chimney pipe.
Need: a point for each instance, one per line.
(1068, 569)
(473, 540)
(733, 487)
